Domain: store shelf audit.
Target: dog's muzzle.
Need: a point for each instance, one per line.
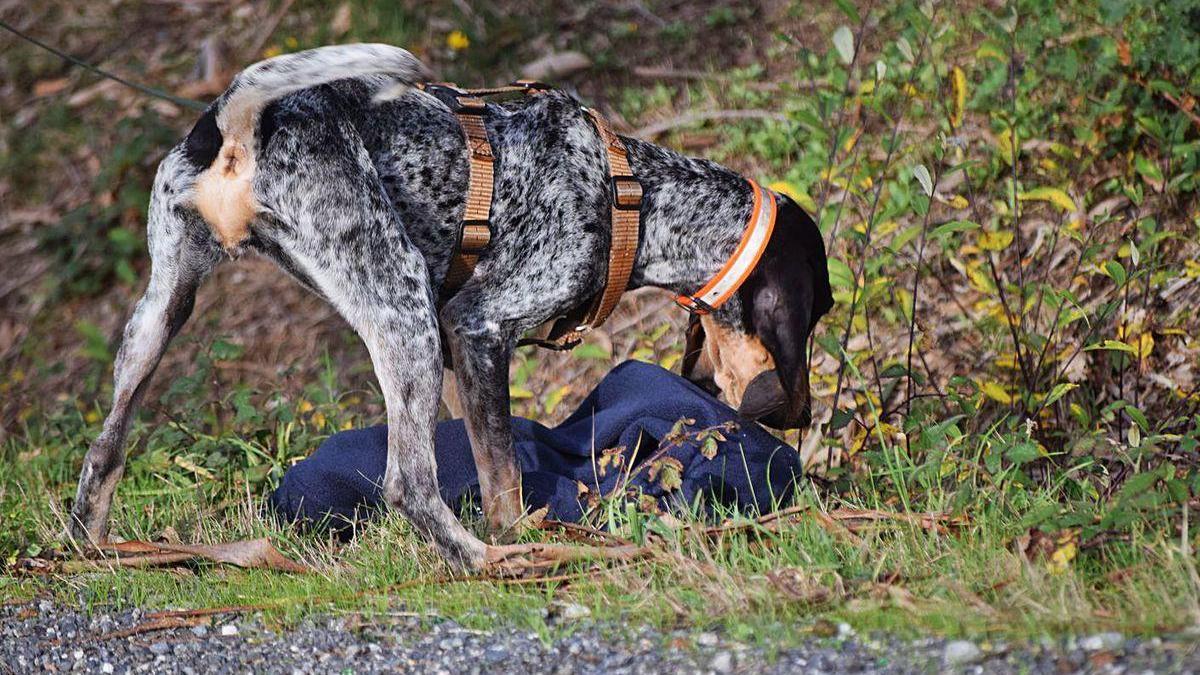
(765, 400)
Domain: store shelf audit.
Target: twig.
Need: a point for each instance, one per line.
(166, 623)
(269, 28)
(208, 611)
(658, 128)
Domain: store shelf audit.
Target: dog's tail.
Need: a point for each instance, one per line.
(223, 192)
(279, 76)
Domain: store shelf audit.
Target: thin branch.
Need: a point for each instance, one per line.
(658, 128)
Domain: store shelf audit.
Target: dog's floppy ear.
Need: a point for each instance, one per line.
(693, 346)
(783, 299)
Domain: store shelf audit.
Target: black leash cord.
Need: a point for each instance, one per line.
(149, 91)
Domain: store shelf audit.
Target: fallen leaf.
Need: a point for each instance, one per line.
(796, 585)
(995, 241)
(958, 84)
(50, 87)
(249, 553)
(1054, 196)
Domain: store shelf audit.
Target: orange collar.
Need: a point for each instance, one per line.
(743, 261)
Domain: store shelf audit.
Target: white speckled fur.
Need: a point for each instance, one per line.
(360, 200)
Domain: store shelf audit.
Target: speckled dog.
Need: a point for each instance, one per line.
(329, 163)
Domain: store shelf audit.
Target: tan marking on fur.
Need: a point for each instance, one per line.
(225, 194)
(450, 394)
(735, 359)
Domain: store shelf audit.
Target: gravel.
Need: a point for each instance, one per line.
(42, 636)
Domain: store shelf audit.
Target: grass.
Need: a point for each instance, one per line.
(1003, 350)
(758, 585)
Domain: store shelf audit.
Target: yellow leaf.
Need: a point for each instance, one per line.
(980, 279)
(1054, 196)
(554, 398)
(318, 419)
(458, 40)
(519, 392)
(953, 201)
(304, 406)
(1144, 345)
(995, 241)
(996, 392)
(91, 417)
(1061, 559)
(1006, 144)
(989, 50)
(958, 84)
(668, 362)
(850, 142)
(801, 197)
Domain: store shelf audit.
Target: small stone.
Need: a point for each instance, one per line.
(845, 632)
(200, 631)
(229, 629)
(77, 654)
(1102, 642)
(722, 662)
(160, 648)
(106, 668)
(707, 640)
(570, 611)
(961, 653)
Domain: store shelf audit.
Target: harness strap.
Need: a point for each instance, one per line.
(476, 231)
(626, 196)
(743, 261)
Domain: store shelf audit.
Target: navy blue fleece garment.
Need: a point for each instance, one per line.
(634, 407)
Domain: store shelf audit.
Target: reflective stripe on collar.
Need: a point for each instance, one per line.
(743, 261)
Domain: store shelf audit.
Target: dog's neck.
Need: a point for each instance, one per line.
(694, 214)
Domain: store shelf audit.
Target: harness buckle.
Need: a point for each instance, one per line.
(475, 235)
(697, 306)
(626, 193)
(531, 85)
(470, 105)
(481, 149)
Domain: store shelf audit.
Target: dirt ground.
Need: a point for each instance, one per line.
(53, 340)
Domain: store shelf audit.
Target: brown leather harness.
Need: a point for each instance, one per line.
(475, 233)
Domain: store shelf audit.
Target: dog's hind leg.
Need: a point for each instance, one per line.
(335, 226)
(182, 252)
(388, 302)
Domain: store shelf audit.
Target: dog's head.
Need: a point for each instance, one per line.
(759, 359)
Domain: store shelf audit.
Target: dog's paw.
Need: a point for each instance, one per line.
(512, 531)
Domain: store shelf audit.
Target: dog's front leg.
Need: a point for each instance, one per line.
(481, 352)
(182, 253)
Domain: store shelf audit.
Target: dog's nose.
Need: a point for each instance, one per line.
(763, 397)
